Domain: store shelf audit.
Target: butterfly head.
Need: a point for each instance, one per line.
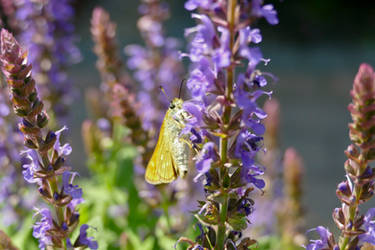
(176, 104)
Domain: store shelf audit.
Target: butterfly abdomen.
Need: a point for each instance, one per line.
(181, 154)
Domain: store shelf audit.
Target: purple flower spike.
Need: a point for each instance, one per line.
(355, 228)
(225, 123)
(45, 157)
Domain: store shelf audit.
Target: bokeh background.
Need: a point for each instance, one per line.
(315, 52)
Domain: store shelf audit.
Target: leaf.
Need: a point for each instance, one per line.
(23, 238)
(208, 219)
(164, 241)
(134, 242)
(269, 243)
(238, 222)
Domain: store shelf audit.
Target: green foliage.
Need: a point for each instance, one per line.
(123, 220)
(268, 243)
(274, 243)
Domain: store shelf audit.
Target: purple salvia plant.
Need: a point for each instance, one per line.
(356, 229)
(226, 120)
(15, 197)
(46, 29)
(44, 162)
(155, 64)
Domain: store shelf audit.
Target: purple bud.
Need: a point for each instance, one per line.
(56, 196)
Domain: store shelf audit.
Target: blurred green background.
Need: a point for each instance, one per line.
(315, 50)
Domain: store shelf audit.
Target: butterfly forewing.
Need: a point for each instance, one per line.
(161, 167)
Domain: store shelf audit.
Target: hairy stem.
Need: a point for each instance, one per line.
(220, 240)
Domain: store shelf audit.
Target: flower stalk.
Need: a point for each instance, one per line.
(219, 45)
(358, 188)
(360, 175)
(45, 156)
(116, 82)
(226, 119)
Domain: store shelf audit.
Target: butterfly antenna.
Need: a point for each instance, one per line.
(181, 85)
(163, 91)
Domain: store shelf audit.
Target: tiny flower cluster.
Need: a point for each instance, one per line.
(220, 43)
(44, 162)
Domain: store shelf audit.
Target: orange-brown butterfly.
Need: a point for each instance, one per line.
(171, 154)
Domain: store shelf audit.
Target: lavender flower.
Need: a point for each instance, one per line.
(326, 240)
(46, 156)
(219, 44)
(83, 240)
(358, 187)
(47, 31)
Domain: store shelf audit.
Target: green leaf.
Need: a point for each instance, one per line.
(23, 238)
(135, 243)
(238, 222)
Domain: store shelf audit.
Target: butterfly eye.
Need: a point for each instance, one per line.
(172, 106)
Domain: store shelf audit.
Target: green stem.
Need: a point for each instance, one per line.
(165, 205)
(58, 209)
(221, 232)
(353, 209)
(222, 229)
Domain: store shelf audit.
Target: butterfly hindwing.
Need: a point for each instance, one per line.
(161, 167)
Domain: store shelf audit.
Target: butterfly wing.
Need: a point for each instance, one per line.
(161, 167)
